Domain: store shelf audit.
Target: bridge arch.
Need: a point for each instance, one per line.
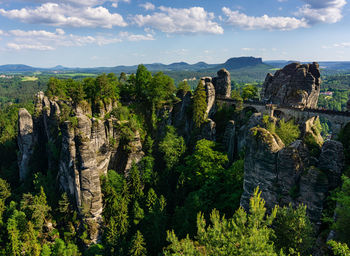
(280, 114)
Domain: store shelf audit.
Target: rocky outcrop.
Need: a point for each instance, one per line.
(230, 140)
(290, 174)
(208, 130)
(222, 84)
(25, 142)
(210, 92)
(260, 166)
(88, 147)
(332, 162)
(182, 114)
(296, 85)
(292, 161)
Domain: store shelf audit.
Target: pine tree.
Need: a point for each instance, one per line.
(199, 105)
(138, 244)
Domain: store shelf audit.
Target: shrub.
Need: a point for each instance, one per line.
(287, 131)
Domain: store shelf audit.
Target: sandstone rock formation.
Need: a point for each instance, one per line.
(182, 115)
(230, 140)
(210, 92)
(332, 162)
(290, 174)
(25, 142)
(88, 147)
(222, 84)
(296, 85)
(260, 166)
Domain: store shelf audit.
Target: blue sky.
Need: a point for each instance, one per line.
(92, 33)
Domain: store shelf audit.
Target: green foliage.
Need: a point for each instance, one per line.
(339, 249)
(184, 87)
(342, 224)
(199, 105)
(243, 234)
(249, 92)
(287, 131)
(35, 207)
(204, 164)
(172, 146)
(137, 247)
(294, 233)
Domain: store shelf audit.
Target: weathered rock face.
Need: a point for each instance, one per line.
(210, 91)
(291, 163)
(182, 114)
(25, 142)
(332, 162)
(260, 166)
(296, 85)
(208, 130)
(230, 140)
(222, 84)
(89, 147)
(290, 174)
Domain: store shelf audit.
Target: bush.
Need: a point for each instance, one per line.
(287, 131)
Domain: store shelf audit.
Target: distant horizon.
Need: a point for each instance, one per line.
(117, 65)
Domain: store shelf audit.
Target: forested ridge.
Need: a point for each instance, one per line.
(182, 198)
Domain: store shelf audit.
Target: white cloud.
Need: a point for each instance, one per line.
(243, 21)
(37, 33)
(148, 6)
(46, 40)
(326, 11)
(78, 2)
(66, 15)
(40, 47)
(1, 32)
(173, 20)
(133, 38)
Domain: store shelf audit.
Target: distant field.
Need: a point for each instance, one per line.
(29, 79)
(78, 74)
(274, 69)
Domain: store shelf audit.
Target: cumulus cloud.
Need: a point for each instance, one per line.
(173, 20)
(326, 11)
(148, 6)
(78, 2)
(65, 15)
(46, 40)
(243, 21)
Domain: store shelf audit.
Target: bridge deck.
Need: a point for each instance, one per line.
(312, 110)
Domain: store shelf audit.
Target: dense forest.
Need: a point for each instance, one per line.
(182, 198)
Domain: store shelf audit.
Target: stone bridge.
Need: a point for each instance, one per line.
(338, 119)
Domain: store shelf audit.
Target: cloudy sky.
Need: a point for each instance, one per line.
(89, 33)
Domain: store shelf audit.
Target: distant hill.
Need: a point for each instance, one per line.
(17, 68)
(231, 64)
(241, 62)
